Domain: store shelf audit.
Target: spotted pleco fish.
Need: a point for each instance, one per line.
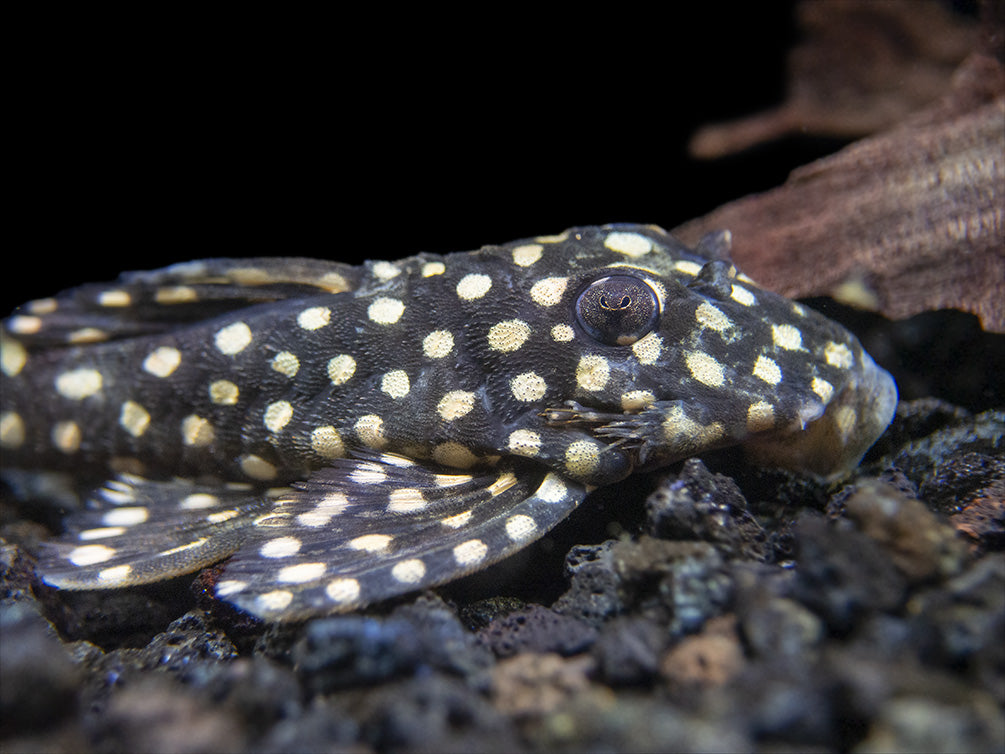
(345, 434)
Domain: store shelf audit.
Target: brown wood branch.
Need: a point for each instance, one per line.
(861, 66)
(909, 220)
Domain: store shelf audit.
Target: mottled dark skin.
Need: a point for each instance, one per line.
(351, 433)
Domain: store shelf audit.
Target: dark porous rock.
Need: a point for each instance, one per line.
(681, 584)
(600, 721)
(962, 621)
(700, 505)
(628, 651)
(785, 703)
(865, 683)
(276, 640)
(963, 476)
(17, 570)
(704, 660)
(157, 714)
(187, 642)
(38, 678)
(982, 521)
(923, 724)
(920, 544)
(446, 643)
(867, 689)
(777, 626)
(842, 574)
(917, 419)
(433, 713)
(322, 728)
(349, 650)
(479, 614)
(891, 477)
(585, 556)
(771, 622)
(530, 685)
(188, 649)
(594, 593)
(259, 691)
(116, 618)
(951, 456)
(537, 629)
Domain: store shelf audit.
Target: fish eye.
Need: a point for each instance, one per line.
(618, 310)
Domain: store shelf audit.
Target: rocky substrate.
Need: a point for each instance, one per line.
(713, 607)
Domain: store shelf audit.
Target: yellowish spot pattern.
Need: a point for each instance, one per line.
(79, 383)
(134, 418)
(233, 339)
(314, 318)
(712, 317)
(525, 256)
(592, 373)
(66, 436)
(474, 286)
(257, 467)
(760, 416)
(528, 386)
(629, 244)
(395, 384)
(562, 333)
(162, 362)
(385, 311)
(524, 442)
(838, 355)
(454, 454)
(649, 349)
(286, 363)
(520, 528)
(338, 435)
(581, 458)
(548, 292)
(327, 442)
(343, 591)
(438, 344)
(767, 370)
(705, 369)
(455, 404)
(115, 299)
(409, 571)
(11, 429)
(341, 368)
(431, 269)
(278, 415)
(787, 337)
(197, 431)
(370, 430)
(509, 335)
(13, 357)
(471, 552)
(224, 393)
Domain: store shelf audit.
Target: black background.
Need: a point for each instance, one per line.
(332, 138)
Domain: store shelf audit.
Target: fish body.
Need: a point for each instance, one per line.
(345, 434)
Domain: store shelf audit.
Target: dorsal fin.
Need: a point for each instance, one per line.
(150, 302)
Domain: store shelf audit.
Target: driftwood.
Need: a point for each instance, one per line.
(905, 221)
(861, 66)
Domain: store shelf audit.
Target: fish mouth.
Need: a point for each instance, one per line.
(831, 446)
(826, 442)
